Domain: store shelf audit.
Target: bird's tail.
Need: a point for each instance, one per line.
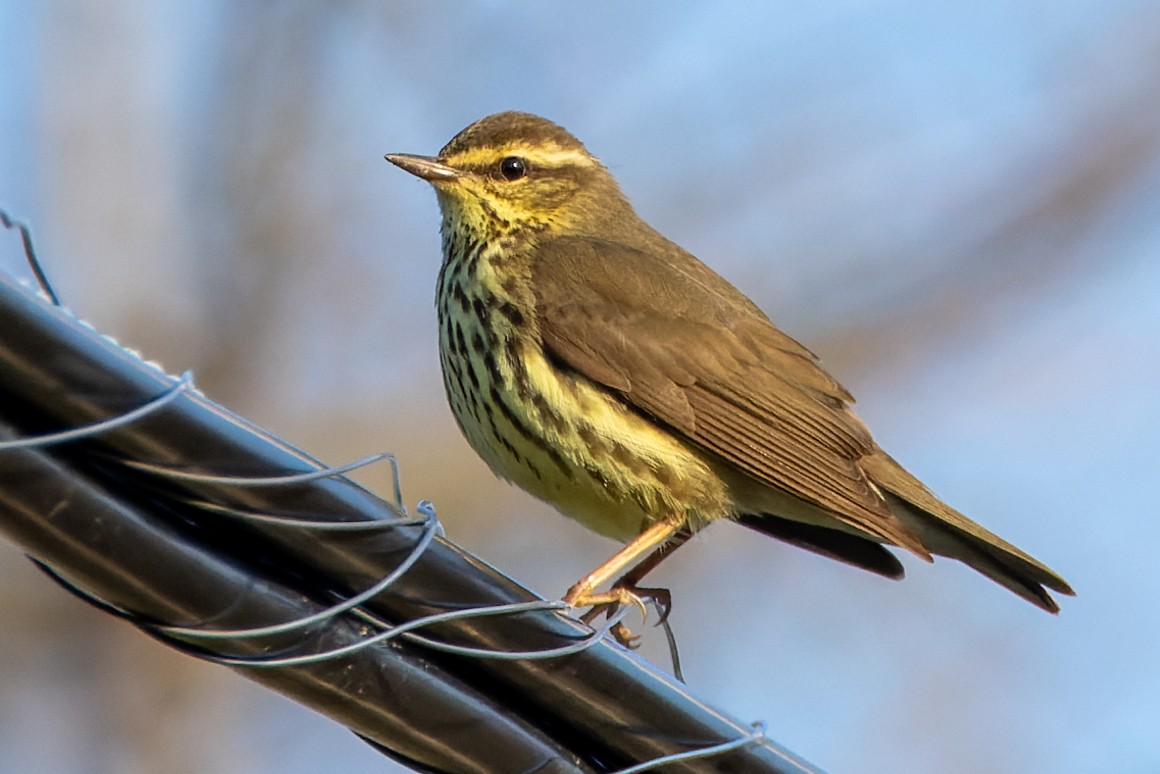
(946, 532)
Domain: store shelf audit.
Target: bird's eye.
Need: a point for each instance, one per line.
(513, 168)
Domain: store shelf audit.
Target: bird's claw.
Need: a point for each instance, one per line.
(607, 603)
(625, 637)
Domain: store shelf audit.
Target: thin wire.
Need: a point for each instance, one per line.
(30, 255)
(314, 524)
(259, 481)
(87, 431)
(674, 654)
(321, 472)
(755, 736)
(433, 527)
(584, 643)
(323, 615)
(167, 631)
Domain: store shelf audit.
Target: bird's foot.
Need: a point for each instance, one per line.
(607, 603)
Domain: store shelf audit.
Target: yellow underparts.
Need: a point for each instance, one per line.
(556, 435)
(626, 472)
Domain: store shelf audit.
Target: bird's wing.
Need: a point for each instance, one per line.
(681, 344)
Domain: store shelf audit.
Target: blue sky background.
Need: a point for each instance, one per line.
(956, 205)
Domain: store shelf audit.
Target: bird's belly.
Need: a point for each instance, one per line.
(568, 441)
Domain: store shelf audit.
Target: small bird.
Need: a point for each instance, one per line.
(610, 373)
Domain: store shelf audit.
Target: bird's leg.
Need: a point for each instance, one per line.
(625, 591)
(661, 598)
(583, 593)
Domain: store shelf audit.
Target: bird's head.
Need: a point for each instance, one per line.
(519, 173)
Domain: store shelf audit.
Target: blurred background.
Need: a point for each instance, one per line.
(956, 205)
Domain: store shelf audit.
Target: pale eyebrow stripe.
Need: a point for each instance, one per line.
(546, 156)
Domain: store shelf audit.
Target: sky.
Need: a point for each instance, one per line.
(956, 205)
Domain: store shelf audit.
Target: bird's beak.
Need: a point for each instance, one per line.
(429, 168)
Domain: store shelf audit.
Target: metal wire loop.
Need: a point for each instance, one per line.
(583, 643)
(755, 736)
(302, 477)
(183, 384)
(364, 525)
(421, 545)
(289, 479)
(171, 633)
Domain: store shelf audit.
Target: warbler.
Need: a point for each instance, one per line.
(607, 371)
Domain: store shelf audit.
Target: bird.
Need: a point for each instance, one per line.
(607, 371)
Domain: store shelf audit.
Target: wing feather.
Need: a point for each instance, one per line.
(686, 347)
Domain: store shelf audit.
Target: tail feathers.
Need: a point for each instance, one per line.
(947, 532)
(843, 546)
